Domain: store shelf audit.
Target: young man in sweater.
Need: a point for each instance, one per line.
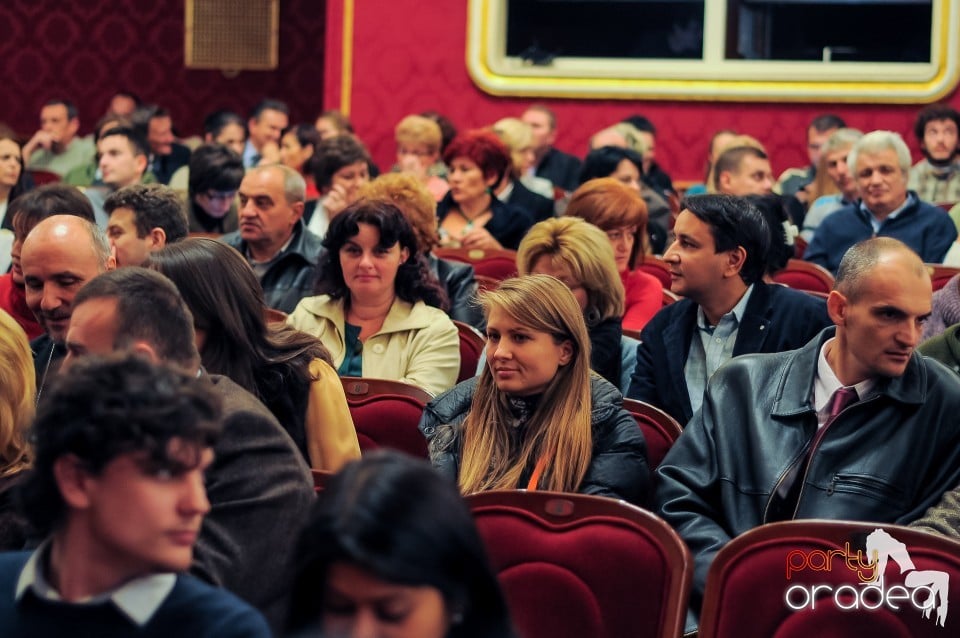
(121, 446)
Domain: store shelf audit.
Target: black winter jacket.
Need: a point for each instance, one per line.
(619, 465)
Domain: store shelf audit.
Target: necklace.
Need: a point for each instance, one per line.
(470, 220)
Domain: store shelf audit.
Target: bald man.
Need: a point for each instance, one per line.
(855, 425)
(59, 255)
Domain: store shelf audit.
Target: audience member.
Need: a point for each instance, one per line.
(580, 256)
(513, 188)
(17, 395)
(26, 212)
(13, 182)
(227, 128)
(258, 485)
(267, 121)
(418, 151)
(56, 146)
(447, 129)
(835, 186)
(215, 175)
(166, 155)
(282, 252)
(121, 450)
(852, 426)
(624, 165)
(409, 195)
(332, 123)
(793, 181)
(470, 215)
(287, 370)
(653, 176)
(617, 210)
(936, 178)
(945, 309)
(881, 162)
(718, 141)
(298, 146)
(378, 309)
(743, 170)
(551, 163)
(392, 550)
(122, 156)
(726, 142)
(123, 103)
(143, 218)
(58, 257)
(536, 417)
(717, 264)
(341, 167)
(88, 173)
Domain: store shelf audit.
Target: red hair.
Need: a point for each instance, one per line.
(483, 148)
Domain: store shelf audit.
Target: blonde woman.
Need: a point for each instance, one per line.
(518, 136)
(536, 418)
(17, 395)
(580, 255)
(418, 149)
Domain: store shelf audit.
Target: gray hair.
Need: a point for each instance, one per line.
(294, 186)
(860, 259)
(840, 139)
(876, 142)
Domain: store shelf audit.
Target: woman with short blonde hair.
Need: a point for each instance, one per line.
(536, 417)
(418, 149)
(579, 254)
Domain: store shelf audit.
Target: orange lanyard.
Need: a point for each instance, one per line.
(537, 472)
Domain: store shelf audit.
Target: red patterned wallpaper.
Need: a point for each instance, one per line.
(408, 57)
(87, 49)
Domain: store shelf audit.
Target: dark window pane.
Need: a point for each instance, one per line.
(540, 30)
(855, 30)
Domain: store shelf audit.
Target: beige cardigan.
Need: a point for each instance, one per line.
(417, 344)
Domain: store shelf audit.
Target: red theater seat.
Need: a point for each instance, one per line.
(748, 589)
(386, 414)
(576, 565)
(472, 343)
(940, 275)
(497, 264)
(803, 275)
(660, 430)
(653, 265)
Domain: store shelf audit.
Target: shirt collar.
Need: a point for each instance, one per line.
(827, 382)
(138, 599)
(907, 202)
(736, 313)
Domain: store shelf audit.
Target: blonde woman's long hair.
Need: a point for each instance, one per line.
(559, 429)
(17, 394)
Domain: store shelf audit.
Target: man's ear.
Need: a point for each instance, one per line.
(158, 238)
(837, 307)
(73, 126)
(141, 161)
(736, 258)
(146, 350)
(297, 208)
(73, 481)
(723, 181)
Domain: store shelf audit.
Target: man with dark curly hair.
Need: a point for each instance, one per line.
(144, 218)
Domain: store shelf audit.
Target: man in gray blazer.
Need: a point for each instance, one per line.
(259, 486)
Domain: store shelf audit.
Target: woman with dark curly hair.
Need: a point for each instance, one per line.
(286, 369)
(470, 215)
(379, 310)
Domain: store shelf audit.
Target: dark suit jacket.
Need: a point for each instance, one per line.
(560, 168)
(260, 491)
(776, 319)
(536, 205)
(164, 166)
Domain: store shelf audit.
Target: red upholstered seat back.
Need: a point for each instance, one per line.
(471, 348)
(660, 430)
(803, 275)
(747, 583)
(386, 414)
(575, 565)
(655, 266)
(940, 275)
(496, 264)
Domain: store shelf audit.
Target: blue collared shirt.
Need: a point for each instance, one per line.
(251, 156)
(712, 349)
(138, 599)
